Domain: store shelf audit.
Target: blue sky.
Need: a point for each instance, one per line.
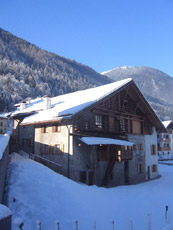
(102, 34)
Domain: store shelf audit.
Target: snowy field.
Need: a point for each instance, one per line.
(37, 193)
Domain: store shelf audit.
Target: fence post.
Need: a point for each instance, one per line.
(76, 225)
(167, 215)
(112, 225)
(149, 221)
(94, 225)
(57, 225)
(131, 224)
(38, 225)
(19, 222)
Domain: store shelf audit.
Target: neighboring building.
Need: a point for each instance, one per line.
(165, 141)
(105, 135)
(3, 124)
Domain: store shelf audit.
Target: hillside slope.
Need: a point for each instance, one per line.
(27, 71)
(155, 85)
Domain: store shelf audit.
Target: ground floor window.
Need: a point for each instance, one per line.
(140, 168)
(57, 149)
(126, 152)
(154, 168)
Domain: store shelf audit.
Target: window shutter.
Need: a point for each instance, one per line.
(42, 129)
(54, 129)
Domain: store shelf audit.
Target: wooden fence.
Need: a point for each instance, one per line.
(113, 226)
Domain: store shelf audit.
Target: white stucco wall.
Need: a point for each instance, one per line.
(151, 159)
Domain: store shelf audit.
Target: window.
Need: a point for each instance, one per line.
(99, 121)
(137, 128)
(119, 156)
(154, 168)
(56, 129)
(44, 129)
(140, 168)
(123, 125)
(86, 125)
(57, 149)
(126, 153)
(141, 146)
(51, 150)
(153, 149)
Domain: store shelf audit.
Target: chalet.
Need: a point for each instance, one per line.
(105, 135)
(165, 141)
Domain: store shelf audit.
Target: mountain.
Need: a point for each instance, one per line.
(27, 71)
(156, 86)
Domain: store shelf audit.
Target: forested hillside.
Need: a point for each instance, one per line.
(27, 71)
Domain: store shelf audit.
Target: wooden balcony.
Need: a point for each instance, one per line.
(164, 148)
(92, 127)
(165, 140)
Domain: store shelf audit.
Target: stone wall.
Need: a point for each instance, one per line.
(3, 168)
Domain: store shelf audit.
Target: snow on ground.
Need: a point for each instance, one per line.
(37, 193)
(4, 212)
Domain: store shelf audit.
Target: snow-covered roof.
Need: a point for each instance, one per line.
(3, 117)
(104, 141)
(65, 106)
(166, 123)
(4, 212)
(3, 143)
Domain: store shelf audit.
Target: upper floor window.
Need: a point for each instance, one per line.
(56, 129)
(153, 149)
(99, 121)
(44, 129)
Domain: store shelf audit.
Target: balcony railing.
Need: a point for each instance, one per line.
(165, 140)
(164, 148)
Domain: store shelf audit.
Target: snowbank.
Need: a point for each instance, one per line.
(4, 212)
(4, 139)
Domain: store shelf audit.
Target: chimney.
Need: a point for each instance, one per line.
(22, 105)
(47, 102)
